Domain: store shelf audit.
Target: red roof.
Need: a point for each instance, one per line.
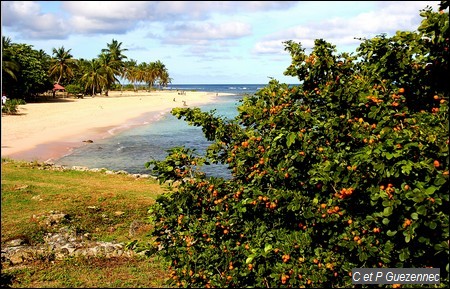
(57, 86)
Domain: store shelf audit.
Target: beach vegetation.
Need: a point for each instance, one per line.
(28, 73)
(62, 65)
(348, 169)
(25, 75)
(9, 66)
(11, 106)
(74, 89)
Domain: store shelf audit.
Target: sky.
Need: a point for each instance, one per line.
(206, 42)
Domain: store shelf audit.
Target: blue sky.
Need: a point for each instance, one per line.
(205, 42)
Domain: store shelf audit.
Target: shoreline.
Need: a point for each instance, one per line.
(47, 131)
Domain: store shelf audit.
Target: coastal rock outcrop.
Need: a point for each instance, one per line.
(63, 243)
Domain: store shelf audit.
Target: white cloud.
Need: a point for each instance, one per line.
(88, 17)
(201, 33)
(390, 17)
(268, 47)
(25, 17)
(109, 10)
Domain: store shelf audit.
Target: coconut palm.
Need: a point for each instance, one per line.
(94, 78)
(62, 64)
(164, 78)
(161, 73)
(116, 56)
(141, 71)
(130, 72)
(9, 66)
(109, 70)
(114, 49)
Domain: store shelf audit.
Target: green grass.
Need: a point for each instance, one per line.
(97, 203)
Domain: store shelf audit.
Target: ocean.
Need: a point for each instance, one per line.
(129, 149)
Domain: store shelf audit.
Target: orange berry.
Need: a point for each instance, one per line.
(436, 164)
(406, 223)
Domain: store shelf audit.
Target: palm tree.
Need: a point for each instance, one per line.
(62, 64)
(140, 74)
(164, 78)
(116, 57)
(109, 70)
(94, 78)
(130, 72)
(9, 66)
(151, 74)
(115, 51)
(161, 73)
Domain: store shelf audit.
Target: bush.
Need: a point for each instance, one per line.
(74, 89)
(347, 170)
(11, 105)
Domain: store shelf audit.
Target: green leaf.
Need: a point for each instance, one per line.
(407, 239)
(430, 190)
(249, 259)
(406, 169)
(391, 233)
(404, 255)
(440, 181)
(424, 240)
(387, 211)
(291, 138)
(414, 216)
(422, 210)
(267, 248)
(363, 256)
(278, 137)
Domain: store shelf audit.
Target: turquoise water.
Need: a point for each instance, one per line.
(131, 148)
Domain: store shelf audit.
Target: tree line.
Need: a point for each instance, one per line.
(27, 72)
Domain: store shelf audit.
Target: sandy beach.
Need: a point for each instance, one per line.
(49, 130)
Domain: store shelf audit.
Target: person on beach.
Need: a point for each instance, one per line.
(4, 98)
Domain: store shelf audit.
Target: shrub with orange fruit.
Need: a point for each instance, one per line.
(354, 176)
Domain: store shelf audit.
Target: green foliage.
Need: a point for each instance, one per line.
(347, 170)
(74, 88)
(179, 165)
(31, 77)
(11, 106)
